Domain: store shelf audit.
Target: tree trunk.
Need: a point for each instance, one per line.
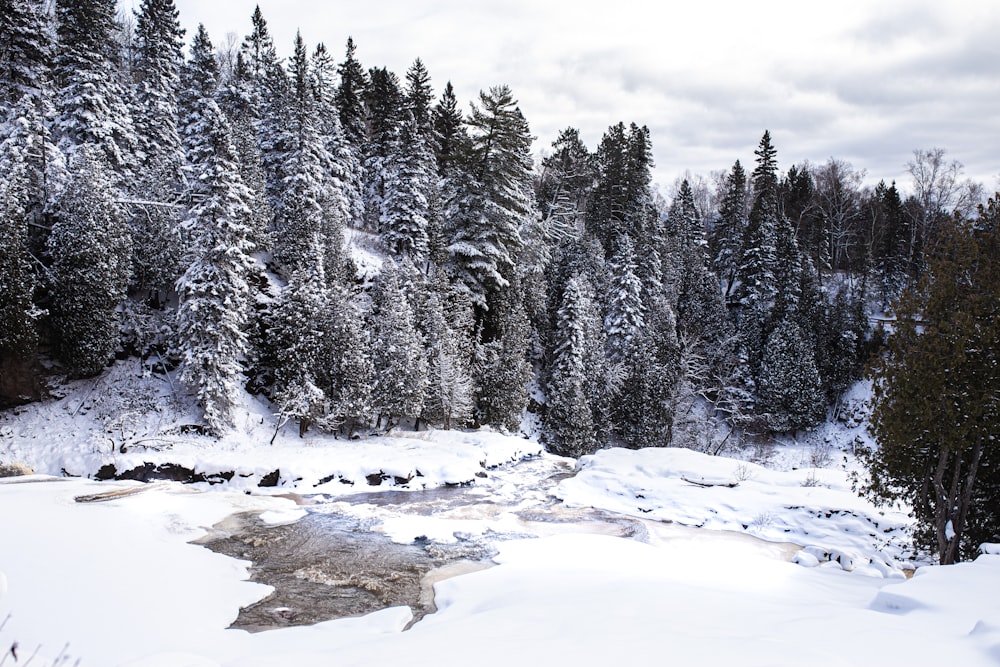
(962, 503)
(940, 504)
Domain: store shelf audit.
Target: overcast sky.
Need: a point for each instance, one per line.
(863, 81)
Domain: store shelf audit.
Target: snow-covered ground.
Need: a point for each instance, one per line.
(119, 582)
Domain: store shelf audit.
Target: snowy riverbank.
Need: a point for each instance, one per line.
(120, 583)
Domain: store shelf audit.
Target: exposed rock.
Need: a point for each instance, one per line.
(376, 478)
(14, 470)
(20, 383)
(270, 479)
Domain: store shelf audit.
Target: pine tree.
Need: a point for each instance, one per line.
(397, 352)
(237, 100)
(258, 50)
(626, 309)
(213, 312)
(299, 212)
(757, 282)
(727, 235)
(890, 237)
(606, 213)
(758, 257)
(702, 319)
(18, 337)
(90, 97)
(503, 369)
(449, 399)
(645, 403)
(684, 220)
(90, 249)
(296, 328)
(25, 141)
(563, 188)
(418, 97)
(936, 408)
(569, 420)
(344, 171)
(157, 67)
(789, 387)
(405, 205)
(199, 79)
(384, 106)
(349, 101)
(346, 370)
(26, 54)
(350, 97)
(452, 141)
(584, 257)
(484, 231)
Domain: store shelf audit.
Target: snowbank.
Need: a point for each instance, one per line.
(118, 583)
(814, 508)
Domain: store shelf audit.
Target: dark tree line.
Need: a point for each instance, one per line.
(211, 206)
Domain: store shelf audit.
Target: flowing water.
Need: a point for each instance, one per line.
(337, 561)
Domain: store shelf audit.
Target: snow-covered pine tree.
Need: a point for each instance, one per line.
(450, 393)
(18, 337)
(788, 267)
(385, 114)
(90, 97)
(418, 97)
(199, 80)
(452, 143)
(213, 310)
(570, 428)
(26, 103)
(789, 388)
(726, 241)
(299, 197)
(154, 222)
(397, 351)
(407, 180)
(890, 239)
(622, 201)
(350, 97)
(349, 102)
(502, 366)
(275, 118)
(564, 185)
(684, 220)
(495, 201)
(606, 211)
(298, 336)
(345, 200)
(756, 275)
(646, 400)
(159, 57)
(18, 314)
(573, 256)
(345, 369)
(90, 249)
(258, 50)
(758, 256)
(26, 54)
(237, 101)
(26, 140)
(626, 308)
